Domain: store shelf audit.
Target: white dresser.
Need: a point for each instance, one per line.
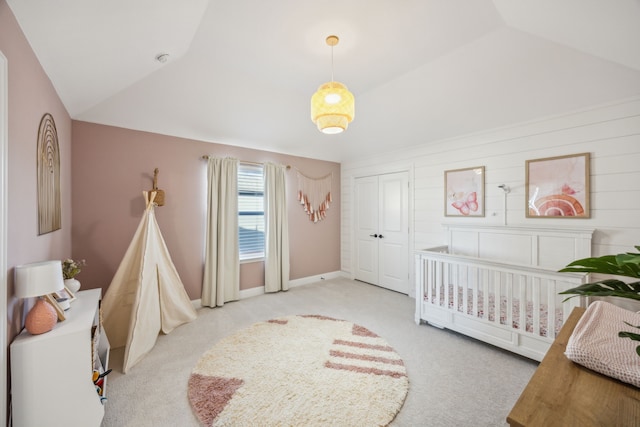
(51, 373)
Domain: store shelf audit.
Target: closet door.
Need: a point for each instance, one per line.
(366, 225)
(393, 234)
(382, 230)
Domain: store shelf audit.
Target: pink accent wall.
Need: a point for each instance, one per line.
(111, 168)
(31, 95)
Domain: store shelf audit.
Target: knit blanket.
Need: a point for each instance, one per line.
(595, 344)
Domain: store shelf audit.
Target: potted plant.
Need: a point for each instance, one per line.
(70, 269)
(626, 264)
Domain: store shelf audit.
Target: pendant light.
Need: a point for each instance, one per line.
(332, 106)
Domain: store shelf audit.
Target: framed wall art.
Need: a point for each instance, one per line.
(464, 192)
(48, 166)
(65, 293)
(558, 187)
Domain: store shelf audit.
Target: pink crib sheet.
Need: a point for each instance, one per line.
(503, 310)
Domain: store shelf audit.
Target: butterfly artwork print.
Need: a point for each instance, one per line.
(467, 204)
(464, 192)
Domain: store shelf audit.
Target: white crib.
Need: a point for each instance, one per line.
(513, 306)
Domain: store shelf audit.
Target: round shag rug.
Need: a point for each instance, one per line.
(299, 371)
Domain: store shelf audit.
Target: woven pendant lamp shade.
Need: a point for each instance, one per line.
(332, 106)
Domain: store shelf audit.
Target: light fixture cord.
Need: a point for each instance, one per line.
(331, 63)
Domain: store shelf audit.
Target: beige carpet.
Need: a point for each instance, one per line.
(303, 370)
(454, 380)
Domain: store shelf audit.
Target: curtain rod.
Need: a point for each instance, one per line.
(206, 157)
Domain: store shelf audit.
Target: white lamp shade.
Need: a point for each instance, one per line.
(38, 278)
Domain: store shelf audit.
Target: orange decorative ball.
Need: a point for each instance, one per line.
(42, 318)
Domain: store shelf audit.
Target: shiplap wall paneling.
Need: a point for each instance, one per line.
(610, 133)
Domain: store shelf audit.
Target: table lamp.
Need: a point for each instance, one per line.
(36, 280)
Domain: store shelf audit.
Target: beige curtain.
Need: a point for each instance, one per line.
(276, 263)
(221, 281)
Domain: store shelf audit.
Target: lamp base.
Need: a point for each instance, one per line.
(42, 318)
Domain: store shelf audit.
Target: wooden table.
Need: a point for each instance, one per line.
(563, 393)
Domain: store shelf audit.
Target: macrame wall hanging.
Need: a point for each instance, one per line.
(314, 194)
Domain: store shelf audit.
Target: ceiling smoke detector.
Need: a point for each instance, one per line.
(162, 57)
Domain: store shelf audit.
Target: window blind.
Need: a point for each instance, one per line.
(251, 226)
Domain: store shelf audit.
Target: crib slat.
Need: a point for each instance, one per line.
(509, 304)
(522, 301)
(497, 292)
(444, 283)
(535, 305)
(429, 275)
(455, 286)
(484, 281)
(474, 290)
(551, 309)
(437, 285)
(421, 292)
(465, 291)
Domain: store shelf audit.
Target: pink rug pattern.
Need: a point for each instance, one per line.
(306, 370)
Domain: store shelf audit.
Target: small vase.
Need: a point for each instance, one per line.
(72, 284)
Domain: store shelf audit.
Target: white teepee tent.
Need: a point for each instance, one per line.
(146, 295)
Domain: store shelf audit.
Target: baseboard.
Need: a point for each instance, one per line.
(251, 292)
(259, 290)
(316, 278)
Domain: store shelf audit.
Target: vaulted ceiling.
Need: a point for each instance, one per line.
(242, 72)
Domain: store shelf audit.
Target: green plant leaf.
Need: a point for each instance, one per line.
(627, 264)
(607, 288)
(631, 335)
(630, 263)
(630, 257)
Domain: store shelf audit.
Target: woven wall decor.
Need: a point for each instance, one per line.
(48, 164)
(314, 194)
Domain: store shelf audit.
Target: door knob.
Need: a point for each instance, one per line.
(380, 236)
(373, 235)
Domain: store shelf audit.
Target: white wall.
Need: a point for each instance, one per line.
(610, 133)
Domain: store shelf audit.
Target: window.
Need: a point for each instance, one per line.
(250, 211)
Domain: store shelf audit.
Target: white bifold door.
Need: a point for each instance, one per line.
(382, 230)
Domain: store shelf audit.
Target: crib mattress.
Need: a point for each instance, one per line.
(515, 310)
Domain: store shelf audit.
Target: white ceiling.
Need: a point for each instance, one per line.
(242, 72)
